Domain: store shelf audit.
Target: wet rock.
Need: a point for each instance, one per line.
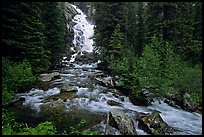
(199, 109)
(153, 123)
(43, 85)
(104, 82)
(174, 100)
(86, 58)
(102, 66)
(138, 101)
(113, 103)
(188, 103)
(15, 102)
(120, 121)
(63, 96)
(67, 88)
(69, 11)
(52, 108)
(48, 76)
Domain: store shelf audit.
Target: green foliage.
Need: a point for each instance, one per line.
(148, 69)
(189, 80)
(44, 128)
(105, 21)
(55, 27)
(16, 77)
(88, 132)
(9, 125)
(34, 31)
(115, 48)
(77, 130)
(162, 72)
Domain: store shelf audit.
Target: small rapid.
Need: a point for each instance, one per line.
(90, 100)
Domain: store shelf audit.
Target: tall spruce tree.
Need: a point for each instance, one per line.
(140, 40)
(54, 22)
(105, 21)
(26, 36)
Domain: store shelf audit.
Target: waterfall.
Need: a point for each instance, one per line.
(83, 32)
(91, 101)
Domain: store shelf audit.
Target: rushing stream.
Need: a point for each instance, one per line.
(91, 101)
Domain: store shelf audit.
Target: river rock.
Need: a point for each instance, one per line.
(69, 11)
(138, 101)
(52, 108)
(104, 82)
(188, 103)
(120, 121)
(67, 88)
(86, 57)
(16, 102)
(153, 123)
(48, 76)
(113, 103)
(63, 96)
(101, 127)
(43, 85)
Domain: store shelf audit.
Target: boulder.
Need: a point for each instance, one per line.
(86, 58)
(153, 123)
(101, 128)
(188, 103)
(52, 108)
(69, 11)
(139, 101)
(63, 95)
(48, 76)
(16, 102)
(43, 85)
(113, 103)
(120, 121)
(67, 88)
(104, 82)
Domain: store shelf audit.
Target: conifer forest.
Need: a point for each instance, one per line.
(101, 68)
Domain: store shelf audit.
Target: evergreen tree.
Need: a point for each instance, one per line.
(198, 21)
(54, 22)
(140, 40)
(153, 20)
(26, 35)
(105, 21)
(116, 47)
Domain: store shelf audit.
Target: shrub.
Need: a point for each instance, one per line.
(16, 77)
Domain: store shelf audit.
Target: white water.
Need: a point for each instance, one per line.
(96, 99)
(83, 31)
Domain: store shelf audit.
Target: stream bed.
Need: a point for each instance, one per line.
(88, 100)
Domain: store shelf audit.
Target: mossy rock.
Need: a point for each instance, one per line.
(62, 95)
(153, 124)
(113, 103)
(52, 108)
(43, 85)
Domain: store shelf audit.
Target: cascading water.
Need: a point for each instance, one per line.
(83, 31)
(91, 101)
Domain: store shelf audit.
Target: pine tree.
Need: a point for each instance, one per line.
(198, 21)
(54, 22)
(153, 20)
(116, 43)
(140, 40)
(105, 21)
(26, 35)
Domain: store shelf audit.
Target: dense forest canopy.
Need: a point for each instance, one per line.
(155, 46)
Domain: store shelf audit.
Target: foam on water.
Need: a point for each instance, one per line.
(35, 97)
(187, 122)
(83, 31)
